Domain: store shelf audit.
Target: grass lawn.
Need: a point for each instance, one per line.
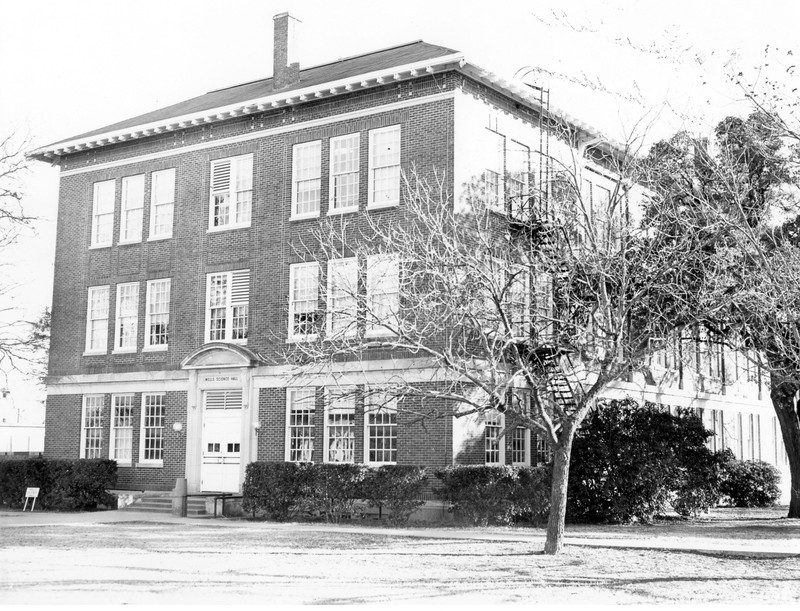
(249, 562)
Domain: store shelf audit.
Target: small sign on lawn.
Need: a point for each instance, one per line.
(30, 493)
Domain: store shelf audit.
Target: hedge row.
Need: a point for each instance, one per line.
(65, 485)
(284, 491)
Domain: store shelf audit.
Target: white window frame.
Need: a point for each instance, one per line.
(296, 271)
(92, 316)
(342, 301)
(295, 396)
(518, 168)
(147, 424)
(132, 202)
(339, 401)
(97, 403)
(380, 270)
(114, 430)
(103, 204)
(375, 166)
(307, 168)
(494, 172)
(518, 299)
(240, 182)
(383, 404)
(132, 317)
(237, 295)
(168, 177)
(149, 313)
(496, 420)
(350, 145)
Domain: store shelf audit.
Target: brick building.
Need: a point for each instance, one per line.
(177, 284)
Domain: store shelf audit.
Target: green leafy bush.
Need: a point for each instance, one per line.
(750, 483)
(396, 488)
(65, 485)
(494, 494)
(630, 462)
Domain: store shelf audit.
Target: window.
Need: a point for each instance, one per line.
(544, 453)
(518, 162)
(126, 329)
(520, 446)
(231, 192)
(340, 423)
(227, 299)
(543, 289)
(156, 322)
(306, 173)
(151, 440)
(493, 174)
(493, 424)
(383, 293)
(300, 407)
(303, 300)
(384, 166)
(342, 296)
(92, 427)
(103, 213)
(344, 173)
(518, 297)
(121, 441)
(97, 320)
(162, 203)
(132, 209)
(380, 421)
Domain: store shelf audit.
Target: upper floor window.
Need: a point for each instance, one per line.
(306, 179)
(518, 168)
(162, 203)
(231, 192)
(342, 296)
(103, 213)
(227, 303)
(97, 319)
(384, 167)
(156, 322)
(494, 172)
(126, 327)
(344, 173)
(383, 293)
(132, 209)
(303, 300)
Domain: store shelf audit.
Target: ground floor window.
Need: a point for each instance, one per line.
(151, 448)
(520, 446)
(380, 418)
(544, 453)
(300, 407)
(493, 424)
(92, 427)
(340, 424)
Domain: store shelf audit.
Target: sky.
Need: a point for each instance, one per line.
(638, 68)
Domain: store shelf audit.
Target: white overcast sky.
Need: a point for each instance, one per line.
(73, 65)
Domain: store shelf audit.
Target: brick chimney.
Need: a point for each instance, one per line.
(284, 74)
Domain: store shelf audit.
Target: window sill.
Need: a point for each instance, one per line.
(379, 464)
(95, 353)
(378, 334)
(159, 238)
(227, 228)
(341, 211)
(158, 348)
(381, 207)
(304, 217)
(124, 351)
(302, 339)
(150, 465)
(129, 242)
(120, 463)
(99, 246)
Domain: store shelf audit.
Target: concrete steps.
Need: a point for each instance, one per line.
(163, 504)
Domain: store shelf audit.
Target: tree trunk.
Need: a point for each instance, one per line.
(783, 401)
(558, 490)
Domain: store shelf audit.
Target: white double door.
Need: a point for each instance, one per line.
(221, 465)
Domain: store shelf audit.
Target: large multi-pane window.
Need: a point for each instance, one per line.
(132, 209)
(494, 171)
(380, 423)
(383, 293)
(156, 322)
(518, 172)
(303, 300)
(231, 192)
(151, 440)
(544, 453)
(493, 446)
(92, 427)
(342, 296)
(340, 422)
(520, 446)
(121, 440)
(227, 303)
(384, 166)
(300, 407)
(344, 173)
(162, 202)
(518, 299)
(97, 319)
(306, 179)
(126, 325)
(103, 213)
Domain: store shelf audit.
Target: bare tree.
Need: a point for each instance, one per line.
(530, 305)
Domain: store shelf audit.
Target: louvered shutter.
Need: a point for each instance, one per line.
(240, 287)
(223, 399)
(220, 175)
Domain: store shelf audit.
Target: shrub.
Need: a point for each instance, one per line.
(275, 488)
(629, 462)
(396, 488)
(750, 483)
(531, 496)
(65, 485)
(331, 490)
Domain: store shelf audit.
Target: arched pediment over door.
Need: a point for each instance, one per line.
(218, 355)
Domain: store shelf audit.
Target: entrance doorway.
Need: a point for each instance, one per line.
(222, 441)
